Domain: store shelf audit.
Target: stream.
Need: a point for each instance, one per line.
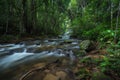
(14, 58)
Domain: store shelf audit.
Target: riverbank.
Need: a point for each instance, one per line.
(16, 39)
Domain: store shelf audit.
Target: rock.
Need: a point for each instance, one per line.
(35, 76)
(44, 48)
(28, 42)
(37, 42)
(84, 44)
(88, 45)
(40, 65)
(61, 75)
(68, 41)
(50, 77)
(16, 50)
(31, 50)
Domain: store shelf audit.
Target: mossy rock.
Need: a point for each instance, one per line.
(88, 45)
(84, 44)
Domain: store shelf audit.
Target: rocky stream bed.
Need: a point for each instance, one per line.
(51, 59)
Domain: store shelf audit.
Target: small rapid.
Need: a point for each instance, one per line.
(10, 59)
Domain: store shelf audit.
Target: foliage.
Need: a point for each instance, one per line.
(32, 17)
(112, 61)
(8, 38)
(83, 74)
(105, 64)
(111, 64)
(96, 20)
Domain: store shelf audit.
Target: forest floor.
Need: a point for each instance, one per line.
(16, 39)
(85, 69)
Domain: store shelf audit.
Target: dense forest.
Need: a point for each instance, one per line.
(95, 22)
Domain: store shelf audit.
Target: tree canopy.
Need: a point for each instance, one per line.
(43, 17)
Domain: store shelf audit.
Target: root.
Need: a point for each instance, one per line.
(70, 73)
(30, 71)
(33, 70)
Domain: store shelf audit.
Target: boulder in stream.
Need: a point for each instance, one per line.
(88, 45)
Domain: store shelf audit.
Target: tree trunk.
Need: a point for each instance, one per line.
(8, 7)
(25, 17)
(33, 16)
(111, 6)
(117, 19)
(6, 30)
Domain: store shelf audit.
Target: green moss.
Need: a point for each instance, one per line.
(100, 76)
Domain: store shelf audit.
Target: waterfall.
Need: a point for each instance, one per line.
(66, 35)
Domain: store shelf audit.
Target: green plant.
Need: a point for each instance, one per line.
(107, 35)
(111, 62)
(104, 64)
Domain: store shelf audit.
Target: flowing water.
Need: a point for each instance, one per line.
(14, 55)
(66, 35)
